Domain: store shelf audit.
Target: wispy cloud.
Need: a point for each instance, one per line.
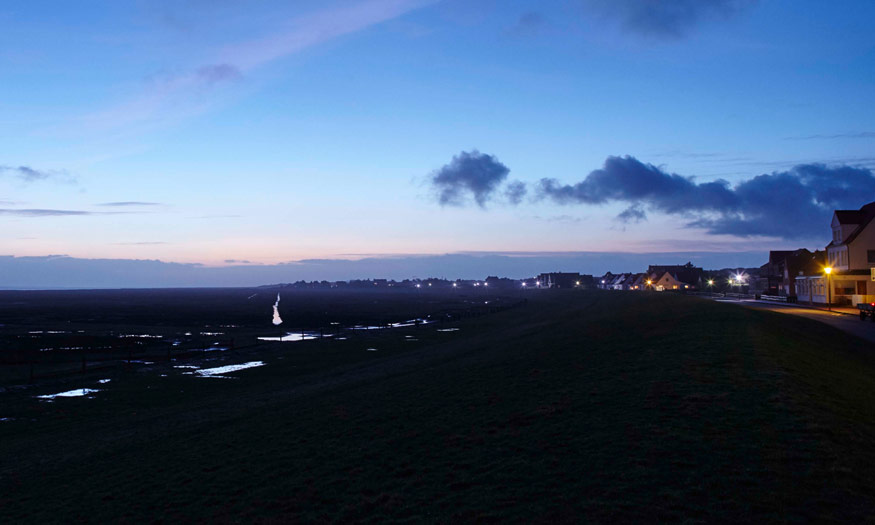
(38, 212)
(529, 24)
(128, 203)
(858, 135)
(52, 212)
(666, 19)
(170, 97)
(217, 217)
(28, 174)
(140, 243)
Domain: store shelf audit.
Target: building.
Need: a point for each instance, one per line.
(851, 255)
(675, 277)
(784, 266)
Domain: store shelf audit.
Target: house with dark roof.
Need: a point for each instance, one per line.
(851, 255)
(785, 266)
(675, 277)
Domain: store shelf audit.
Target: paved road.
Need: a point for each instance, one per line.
(848, 323)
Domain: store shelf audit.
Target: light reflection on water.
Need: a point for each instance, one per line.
(296, 336)
(219, 370)
(79, 392)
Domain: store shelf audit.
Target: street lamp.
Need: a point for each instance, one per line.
(649, 284)
(828, 271)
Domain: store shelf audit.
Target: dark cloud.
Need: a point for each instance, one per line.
(471, 174)
(666, 18)
(129, 203)
(515, 191)
(792, 204)
(628, 179)
(215, 73)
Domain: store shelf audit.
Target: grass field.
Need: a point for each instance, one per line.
(581, 406)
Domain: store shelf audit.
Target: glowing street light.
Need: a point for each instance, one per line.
(828, 271)
(649, 283)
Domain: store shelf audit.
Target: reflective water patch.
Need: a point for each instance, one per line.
(448, 330)
(219, 370)
(79, 392)
(296, 336)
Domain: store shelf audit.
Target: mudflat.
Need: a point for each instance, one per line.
(568, 406)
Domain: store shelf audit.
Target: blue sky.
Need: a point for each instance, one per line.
(267, 131)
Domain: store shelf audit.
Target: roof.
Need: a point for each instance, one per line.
(866, 214)
(848, 216)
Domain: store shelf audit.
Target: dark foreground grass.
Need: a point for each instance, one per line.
(598, 407)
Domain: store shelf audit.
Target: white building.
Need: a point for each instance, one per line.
(851, 255)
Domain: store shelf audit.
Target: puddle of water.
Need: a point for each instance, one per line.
(447, 329)
(371, 349)
(219, 370)
(7, 418)
(212, 333)
(341, 338)
(104, 381)
(411, 340)
(186, 366)
(142, 362)
(216, 349)
(79, 392)
(297, 336)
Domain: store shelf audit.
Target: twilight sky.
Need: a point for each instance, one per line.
(267, 131)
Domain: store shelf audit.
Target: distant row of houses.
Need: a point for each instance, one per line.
(658, 278)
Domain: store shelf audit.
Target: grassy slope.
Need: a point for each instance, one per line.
(599, 406)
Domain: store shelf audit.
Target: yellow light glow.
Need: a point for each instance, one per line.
(828, 270)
